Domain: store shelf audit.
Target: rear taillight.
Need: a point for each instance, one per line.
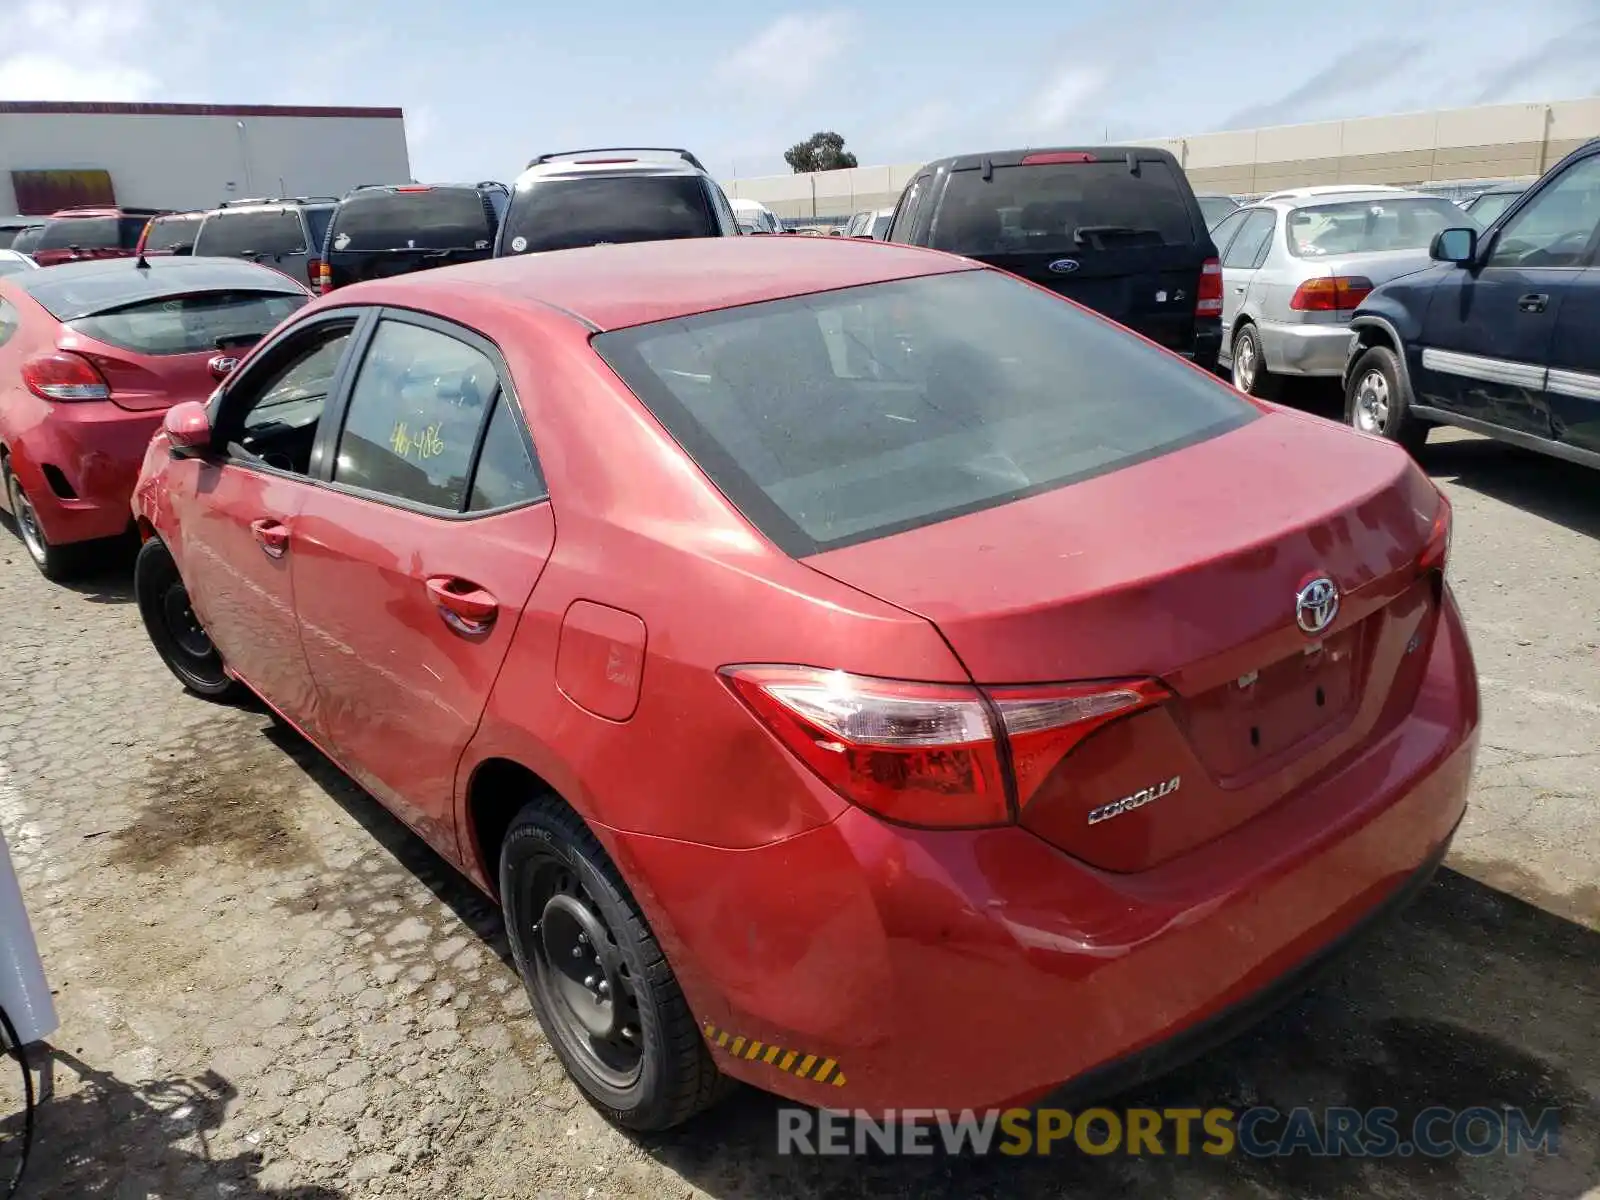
(64, 376)
(1335, 293)
(321, 276)
(1435, 554)
(930, 754)
(1208, 297)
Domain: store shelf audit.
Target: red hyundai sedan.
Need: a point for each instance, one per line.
(91, 356)
(855, 671)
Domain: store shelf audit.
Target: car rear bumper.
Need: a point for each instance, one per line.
(1305, 349)
(95, 449)
(984, 968)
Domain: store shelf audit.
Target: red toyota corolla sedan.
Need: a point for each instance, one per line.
(855, 671)
(91, 355)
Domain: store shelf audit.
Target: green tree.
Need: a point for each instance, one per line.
(820, 152)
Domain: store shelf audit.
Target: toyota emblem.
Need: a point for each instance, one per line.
(1316, 605)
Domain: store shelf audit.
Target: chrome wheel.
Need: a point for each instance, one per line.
(1244, 363)
(1372, 403)
(28, 524)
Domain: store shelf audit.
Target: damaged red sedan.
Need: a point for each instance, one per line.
(855, 671)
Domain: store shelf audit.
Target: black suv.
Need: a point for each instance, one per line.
(587, 197)
(1116, 228)
(380, 230)
(282, 232)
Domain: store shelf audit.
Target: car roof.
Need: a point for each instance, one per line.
(1334, 189)
(1300, 197)
(600, 169)
(634, 283)
(1013, 158)
(103, 210)
(79, 289)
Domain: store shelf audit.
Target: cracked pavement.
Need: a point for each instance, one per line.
(269, 988)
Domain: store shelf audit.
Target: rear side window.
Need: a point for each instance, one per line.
(172, 233)
(506, 472)
(414, 416)
(844, 416)
(27, 241)
(436, 219)
(8, 234)
(189, 324)
(1057, 208)
(561, 214)
(1361, 226)
(248, 234)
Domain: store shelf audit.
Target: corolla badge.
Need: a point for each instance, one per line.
(1316, 605)
(1064, 266)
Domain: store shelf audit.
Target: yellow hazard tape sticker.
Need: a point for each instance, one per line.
(792, 1062)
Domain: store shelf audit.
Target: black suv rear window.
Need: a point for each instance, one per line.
(1057, 208)
(561, 214)
(168, 232)
(435, 219)
(848, 415)
(245, 234)
(91, 233)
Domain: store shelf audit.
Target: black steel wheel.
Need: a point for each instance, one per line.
(174, 629)
(596, 978)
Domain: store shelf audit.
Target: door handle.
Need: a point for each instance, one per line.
(1533, 302)
(272, 536)
(463, 606)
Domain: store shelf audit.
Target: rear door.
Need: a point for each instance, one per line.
(1118, 237)
(1241, 262)
(414, 560)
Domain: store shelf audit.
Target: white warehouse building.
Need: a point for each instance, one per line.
(186, 156)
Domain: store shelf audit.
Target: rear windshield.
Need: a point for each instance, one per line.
(248, 234)
(437, 219)
(8, 234)
(92, 233)
(560, 214)
(188, 324)
(844, 416)
(1054, 208)
(1362, 226)
(167, 233)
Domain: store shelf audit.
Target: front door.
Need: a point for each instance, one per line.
(414, 560)
(1489, 331)
(236, 513)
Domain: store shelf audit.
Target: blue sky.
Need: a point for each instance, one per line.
(488, 83)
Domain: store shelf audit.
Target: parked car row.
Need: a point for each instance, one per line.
(908, 782)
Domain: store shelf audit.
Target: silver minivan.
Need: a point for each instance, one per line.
(1296, 263)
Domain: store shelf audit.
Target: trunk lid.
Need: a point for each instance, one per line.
(141, 384)
(1380, 266)
(1185, 568)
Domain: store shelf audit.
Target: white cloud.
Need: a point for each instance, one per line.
(76, 51)
(1062, 97)
(790, 55)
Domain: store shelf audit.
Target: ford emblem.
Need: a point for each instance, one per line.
(1064, 266)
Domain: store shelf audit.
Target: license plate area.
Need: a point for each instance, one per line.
(1248, 723)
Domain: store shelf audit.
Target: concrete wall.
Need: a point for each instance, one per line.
(193, 156)
(1490, 142)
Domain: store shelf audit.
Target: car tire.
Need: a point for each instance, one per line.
(55, 563)
(597, 979)
(173, 628)
(1375, 400)
(1249, 367)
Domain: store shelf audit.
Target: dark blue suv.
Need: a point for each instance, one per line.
(1501, 335)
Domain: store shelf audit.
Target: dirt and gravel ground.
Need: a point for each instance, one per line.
(269, 988)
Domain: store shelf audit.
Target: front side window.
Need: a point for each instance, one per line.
(1248, 249)
(1556, 226)
(1063, 208)
(561, 214)
(274, 418)
(1225, 229)
(250, 234)
(1486, 209)
(848, 415)
(190, 324)
(1366, 226)
(414, 415)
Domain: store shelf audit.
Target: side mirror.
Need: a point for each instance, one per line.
(1459, 246)
(188, 429)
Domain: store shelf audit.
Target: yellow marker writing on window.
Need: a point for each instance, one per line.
(424, 444)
